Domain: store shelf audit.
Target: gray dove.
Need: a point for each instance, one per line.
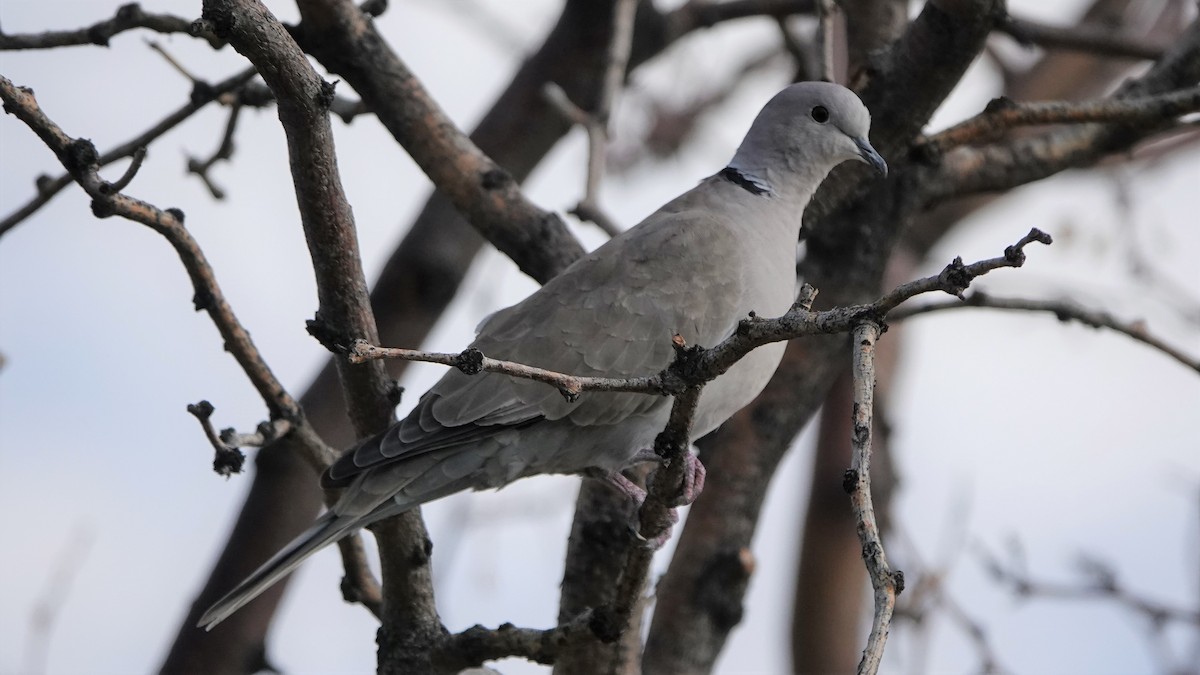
(695, 268)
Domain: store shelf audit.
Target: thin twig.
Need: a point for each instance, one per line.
(1003, 114)
(752, 333)
(928, 597)
(1101, 584)
(618, 58)
(473, 361)
(264, 434)
(887, 584)
(223, 152)
(172, 61)
(228, 459)
(801, 53)
(596, 123)
(202, 95)
(80, 159)
(128, 17)
(135, 165)
(1063, 310)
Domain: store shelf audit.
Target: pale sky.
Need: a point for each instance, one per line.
(1069, 439)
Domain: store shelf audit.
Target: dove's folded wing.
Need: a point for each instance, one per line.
(612, 314)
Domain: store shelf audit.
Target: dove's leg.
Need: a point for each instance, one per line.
(694, 474)
(617, 480)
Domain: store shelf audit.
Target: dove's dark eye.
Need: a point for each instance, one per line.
(820, 114)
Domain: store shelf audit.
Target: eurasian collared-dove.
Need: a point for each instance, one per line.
(695, 268)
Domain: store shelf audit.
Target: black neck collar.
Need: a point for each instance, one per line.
(743, 181)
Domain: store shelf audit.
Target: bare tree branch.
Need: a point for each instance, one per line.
(346, 42)
(1063, 310)
(1003, 114)
(82, 163)
(966, 170)
(477, 644)
(705, 365)
(857, 481)
(202, 95)
(224, 151)
(1100, 582)
(128, 17)
(228, 459)
(135, 165)
(587, 209)
(926, 598)
(303, 98)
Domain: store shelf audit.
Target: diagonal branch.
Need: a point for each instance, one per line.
(997, 167)
(1063, 310)
(80, 159)
(202, 95)
(346, 42)
(1003, 114)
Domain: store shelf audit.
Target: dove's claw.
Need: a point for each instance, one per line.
(664, 529)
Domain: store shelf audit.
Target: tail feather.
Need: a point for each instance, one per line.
(327, 529)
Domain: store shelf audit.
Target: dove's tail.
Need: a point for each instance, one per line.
(328, 529)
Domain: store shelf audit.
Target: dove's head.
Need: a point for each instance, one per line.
(802, 133)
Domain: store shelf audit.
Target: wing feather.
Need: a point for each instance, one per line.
(611, 314)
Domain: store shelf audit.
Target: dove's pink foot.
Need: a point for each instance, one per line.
(694, 474)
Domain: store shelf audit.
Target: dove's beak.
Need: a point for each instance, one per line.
(868, 155)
